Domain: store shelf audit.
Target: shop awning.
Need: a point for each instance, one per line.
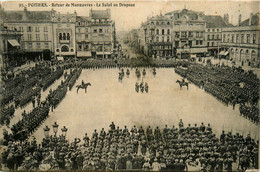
(226, 53)
(84, 54)
(105, 53)
(60, 58)
(13, 42)
(221, 53)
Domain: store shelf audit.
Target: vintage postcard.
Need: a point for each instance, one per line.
(129, 85)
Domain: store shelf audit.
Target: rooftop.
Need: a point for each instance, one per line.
(215, 21)
(100, 14)
(254, 21)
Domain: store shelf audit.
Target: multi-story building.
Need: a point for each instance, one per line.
(102, 33)
(36, 29)
(242, 42)
(64, 34)
(10, 51)
(158, 37)
(213, 33)
(188, 33)
(83, 37)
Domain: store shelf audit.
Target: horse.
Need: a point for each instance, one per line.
(183, 83)
(127, 72)
(83, 86)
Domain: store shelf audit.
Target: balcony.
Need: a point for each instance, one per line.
(64, 41)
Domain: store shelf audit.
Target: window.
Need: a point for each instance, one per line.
(201, 34)
(60, 36)
(157, 31)
(224, 38)
(38, 45)
(100, 30)
(190, 43)
(86, 30)
(86, 36)
(254, 38)
(45, 37)
(22, 38)
(177, 44)
(68, 36)
(46, 45)
(162, 39)
(168, 31)
(177, 34)
(248, 38)
(29, 37)
(157, 23)
(95, 30)
(21, 29)
(86, 48)
(29, 45)
(29, 29)
(237, 39)
(232, 38)
(212, 44)
(213, 37)
(208, 30)
(168, 39)
(168, 23)
(38, 37)
(80, 46)
(190, 34)
(162, 31)
(79, 30)
(197, 35)
(45, 29)
(201, 42)
(217, 36)
(157, 39)
(208, 37)
(213, 30)
(64, 48)
(208, 44)
(242, 38)
(37, 29)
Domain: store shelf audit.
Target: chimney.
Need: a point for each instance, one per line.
(239, 19)
(250, 19)
(25, 13)
(226, 18)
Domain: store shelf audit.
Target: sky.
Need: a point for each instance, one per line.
(127, 18)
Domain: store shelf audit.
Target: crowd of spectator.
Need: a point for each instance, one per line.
(6, 114)
(168, 149)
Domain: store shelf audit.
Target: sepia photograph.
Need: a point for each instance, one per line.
(163, 85)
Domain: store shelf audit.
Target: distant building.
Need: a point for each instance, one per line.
(188, 33)
(10, 50)
(242, 42)
(213, 33)
(36, 29)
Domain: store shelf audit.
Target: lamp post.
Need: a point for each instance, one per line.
(64, 131)
(46, 131)
(55, 128)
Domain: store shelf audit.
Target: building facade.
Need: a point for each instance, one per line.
(188, 33)
(158, 37)
(36, 29)
(213, 33)
(242, 42)
(64, 34)
(10, 50)
(102, 33)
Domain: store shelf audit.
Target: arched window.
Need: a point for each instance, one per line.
(253, 55)
(157, 31)
(60, 36)
(157, 23)
(64, 36)
(168, 23)
(152, 23)
(68, 36)
(64, 48)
